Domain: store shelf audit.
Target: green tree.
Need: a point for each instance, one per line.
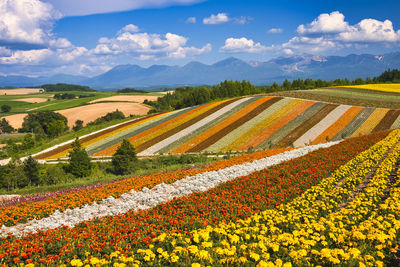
(124, 159)
(55, 128)
(78, 125)
(5, 108)
(5, 127)
(31, 170)
(28, 141)
(79, 161)
(42, 121)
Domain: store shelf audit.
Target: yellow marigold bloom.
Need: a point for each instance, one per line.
(265, 264)
(119, 264)
(354, 252)
(30, 265)
(193, 249)
(242, 260)
(275, 247)
(287, 264)
(234, 239)
(326, 252)
(379, 263)
(278, 262)
(94, 261)
(196, 264)
(380, 255)
(254, 256)
(160, 250)
(174, 258)
(204, 255)
(207, 244)
(196, 237)
(76, 262)
(243, 247)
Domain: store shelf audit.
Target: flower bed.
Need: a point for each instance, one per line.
(231, 201)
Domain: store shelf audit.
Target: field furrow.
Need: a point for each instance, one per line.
(338, 125)
(207, 134)
(387, 121)
(354, 124)
(233, 125)
(321, 126)
(276, 126)
(371, 122)
(259, 126)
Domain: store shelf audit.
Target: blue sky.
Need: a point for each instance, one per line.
(88, 37)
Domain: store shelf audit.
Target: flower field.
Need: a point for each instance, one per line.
(282, 214)
(383, 87)
(256, 122)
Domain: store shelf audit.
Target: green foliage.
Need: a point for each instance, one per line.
(64, 96)
(78, 125)
(5, 127)
(115, 115)
(389, 76)
(31, 170)
(191, 96)
(131, 90)
(12, 176)
(49, 122)
(79, 161)
(5, 108)
(66, 87)
(56, 128)
(28, 141)
(124, 159)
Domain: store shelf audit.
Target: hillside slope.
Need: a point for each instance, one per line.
(240, 124)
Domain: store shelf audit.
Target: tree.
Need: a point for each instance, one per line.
(45, 121)
(124, 159)
(5, 108)
(79, 161)
(28, 141)
(31, 170)
(78, 125)
(56, 128)
(5, 127)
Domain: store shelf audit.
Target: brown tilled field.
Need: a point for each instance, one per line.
(126, 98)
(20, 91)
(32, 100)
(16, 120)
(89, 113)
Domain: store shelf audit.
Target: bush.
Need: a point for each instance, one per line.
(47, 122)
(5, 127)
(5, 108)
(78, 125)
(124, 159)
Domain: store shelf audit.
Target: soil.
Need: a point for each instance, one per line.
(126, 98)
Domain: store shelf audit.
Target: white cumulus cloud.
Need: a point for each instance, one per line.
(26, 21)
(325, 23)
(216, 19)
(242, 45)
(275, 30)
(145, 46)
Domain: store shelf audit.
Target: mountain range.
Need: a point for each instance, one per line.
(196, 73)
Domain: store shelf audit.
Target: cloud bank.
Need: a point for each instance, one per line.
(90, 7)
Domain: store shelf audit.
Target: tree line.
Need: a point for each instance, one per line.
(190, 96)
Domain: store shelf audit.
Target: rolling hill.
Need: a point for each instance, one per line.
(239, 124)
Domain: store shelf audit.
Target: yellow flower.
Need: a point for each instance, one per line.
(242, 260)
(254, 256)
(196, 264)
(174, 258)
(287, 264)
(94, 261)
(76, 262)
